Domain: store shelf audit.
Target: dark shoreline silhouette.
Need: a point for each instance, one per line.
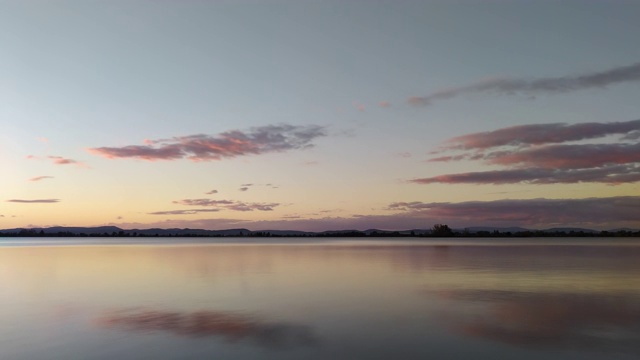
(437, 231)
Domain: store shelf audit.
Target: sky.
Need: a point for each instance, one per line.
(320, 115)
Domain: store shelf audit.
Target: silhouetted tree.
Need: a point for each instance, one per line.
(441, 230)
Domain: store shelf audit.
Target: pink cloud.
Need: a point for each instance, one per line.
(59, 160)
(231, 144)
(539, 134)
(536, 154)
(570, 156)
(38, 178)
(384, 104)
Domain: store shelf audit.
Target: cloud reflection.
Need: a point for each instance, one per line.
(229, 326)
(553, 320)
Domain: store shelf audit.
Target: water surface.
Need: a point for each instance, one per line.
(337, 299)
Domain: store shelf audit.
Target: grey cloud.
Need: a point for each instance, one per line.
(229, 204)
(183, 212)
(616, 174)
(508, 86)
(532, 211)
(37, 201)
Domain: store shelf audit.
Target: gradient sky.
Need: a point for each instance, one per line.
(317, 115)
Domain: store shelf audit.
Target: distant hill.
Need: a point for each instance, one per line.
(469, 231)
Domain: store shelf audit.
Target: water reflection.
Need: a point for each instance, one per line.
(229, 326)
(342, 300)
(550, 320)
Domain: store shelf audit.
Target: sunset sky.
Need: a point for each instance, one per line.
(318, 115)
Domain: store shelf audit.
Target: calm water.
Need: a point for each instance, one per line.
(339, 299)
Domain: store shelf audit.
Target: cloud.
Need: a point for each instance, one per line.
(59, 160)
(229, 326)
(37, 201)
(182, 212)
(38, 178)
(598, 213)
(570, 156)
(537, 154)
(550, 85)
(612, 175)
(531, 212)
(230, 144)
(244, 188)
(211, 192)
(539, 134)
(203, 202)
(240, 206)
(384, 104)
(228, 204)
(359, 106)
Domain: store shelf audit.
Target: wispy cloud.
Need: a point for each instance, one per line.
(38, 178)
(231, 144)
(36, 201)
(244, 188)
(211, 192)
(536, 154)
(384, 104)
(515, 86)
(598, 213)
(534, 212)
(539, 134)
(609, 175)
(58, 160)
(228, 204)
(183, 212)
(203, 202)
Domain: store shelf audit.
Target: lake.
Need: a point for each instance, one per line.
(191, 298)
